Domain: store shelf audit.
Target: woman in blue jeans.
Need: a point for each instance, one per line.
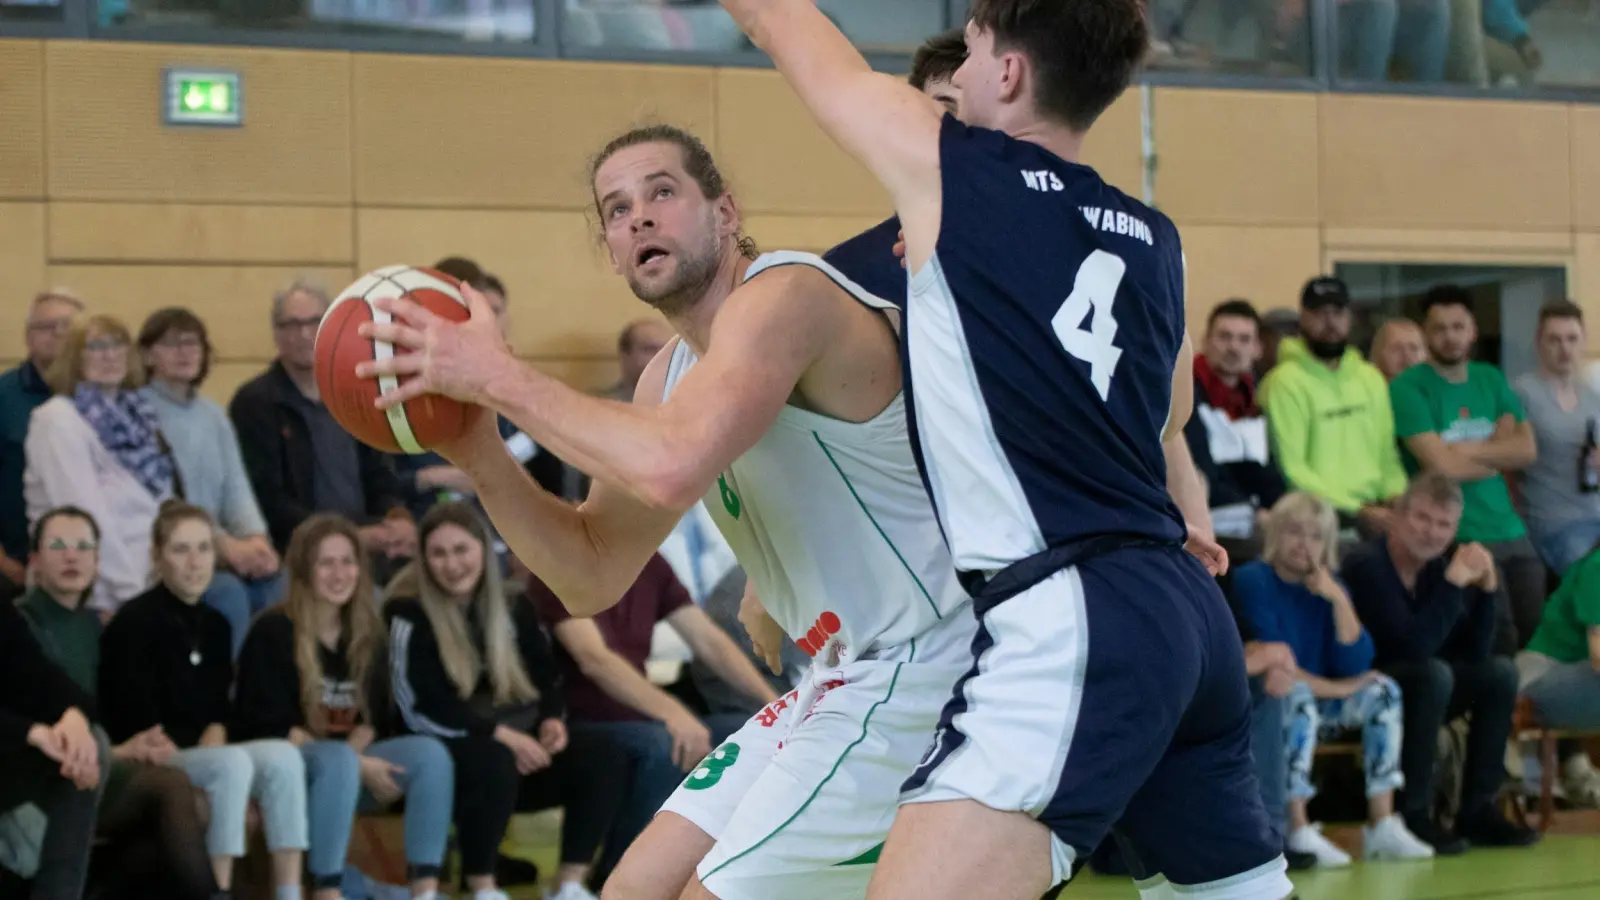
(307, 673)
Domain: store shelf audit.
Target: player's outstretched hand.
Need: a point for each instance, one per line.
(1206, 549)
(456, 359)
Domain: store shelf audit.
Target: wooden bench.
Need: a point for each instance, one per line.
(1525, 726)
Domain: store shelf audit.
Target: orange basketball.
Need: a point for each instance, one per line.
(416, 425)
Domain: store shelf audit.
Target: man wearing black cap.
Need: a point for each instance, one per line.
(1328, 409)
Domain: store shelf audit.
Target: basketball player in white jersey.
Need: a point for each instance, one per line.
(779, 405)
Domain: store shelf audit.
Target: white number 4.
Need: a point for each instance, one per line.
(1096, 287)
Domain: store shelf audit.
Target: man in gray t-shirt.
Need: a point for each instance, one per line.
(1563, 515)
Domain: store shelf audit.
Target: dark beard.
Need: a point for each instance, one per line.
(1448, 361)
(693, 281)
(1327, 351)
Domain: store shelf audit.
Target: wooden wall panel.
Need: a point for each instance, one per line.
(1416, 163)
(1237, 157)
(1114, 147)
(234, 301)
(1585, 283)
(21, 119)
(779, 160)
(1586, 166)
(22, 259)
(177, 232)
(1267, 266)
(227, 375)
(565, 300)
(454, 131)
(107, 141)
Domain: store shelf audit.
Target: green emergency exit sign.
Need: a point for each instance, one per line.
(202, 97)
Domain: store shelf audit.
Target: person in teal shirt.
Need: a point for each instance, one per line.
(1460, 418)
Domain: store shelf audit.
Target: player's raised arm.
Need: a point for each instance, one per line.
(887, 125)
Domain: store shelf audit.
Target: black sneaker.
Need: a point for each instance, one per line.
(1443, 842)
(1491, 829)
(1299, 862)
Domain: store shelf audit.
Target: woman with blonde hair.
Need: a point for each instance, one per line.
(1291, 595)
(166, 659)
(477, 671)
(97, 445)
(312, 672)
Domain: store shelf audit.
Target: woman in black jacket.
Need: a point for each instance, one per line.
(167, 659)
(306, 675)
(478, 672)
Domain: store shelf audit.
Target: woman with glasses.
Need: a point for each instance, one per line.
(175, 350)
(97, 445)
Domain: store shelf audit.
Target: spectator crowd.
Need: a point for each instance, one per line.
(251, 607)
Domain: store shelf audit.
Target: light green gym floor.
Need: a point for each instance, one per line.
(1558, 868)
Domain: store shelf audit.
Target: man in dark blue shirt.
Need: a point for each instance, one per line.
(22, 390)
(1430, 606)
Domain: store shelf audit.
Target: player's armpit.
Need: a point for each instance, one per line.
(887, 125)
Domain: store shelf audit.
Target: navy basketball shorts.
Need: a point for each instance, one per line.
(1113, 696)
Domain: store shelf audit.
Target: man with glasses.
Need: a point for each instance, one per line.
(22, 390)
(299, 460)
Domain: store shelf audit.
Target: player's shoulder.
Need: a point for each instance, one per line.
(802, 274)
(651, 389)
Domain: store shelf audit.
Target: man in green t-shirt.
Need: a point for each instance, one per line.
(1461, 418)
(1561, 672)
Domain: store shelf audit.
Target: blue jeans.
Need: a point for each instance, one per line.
(334, 794)
(239, 599)
(1267, 717)
(1375, 709)
(1567, 544)
(653, 777)
(270, 772)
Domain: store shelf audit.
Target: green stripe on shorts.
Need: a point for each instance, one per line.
(820, 785)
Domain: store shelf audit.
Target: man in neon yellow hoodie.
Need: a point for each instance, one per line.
(1329, 415)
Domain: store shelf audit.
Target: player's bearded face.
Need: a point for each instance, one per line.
(668, 272)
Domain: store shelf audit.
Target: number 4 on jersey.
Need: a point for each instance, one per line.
(1094, 288)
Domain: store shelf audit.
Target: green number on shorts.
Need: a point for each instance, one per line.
(710, 771)
(730, 500)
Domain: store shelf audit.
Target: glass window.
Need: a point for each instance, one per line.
(1500, 44)
(889, 26)
(32, 10)
(1243, 37)
(1506, 301)
(473, 20)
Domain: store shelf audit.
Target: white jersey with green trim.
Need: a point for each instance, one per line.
(832, 524)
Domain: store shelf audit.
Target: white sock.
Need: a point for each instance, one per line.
(287, 892)
(431, 895)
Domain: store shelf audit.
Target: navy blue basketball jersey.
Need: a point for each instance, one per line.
(869, 260)
(1041, 341)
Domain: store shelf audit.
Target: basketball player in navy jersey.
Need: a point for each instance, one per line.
(1050, 369)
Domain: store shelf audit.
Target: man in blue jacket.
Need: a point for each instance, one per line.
(1429, 604)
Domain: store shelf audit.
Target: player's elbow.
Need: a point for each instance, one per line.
(673, 481)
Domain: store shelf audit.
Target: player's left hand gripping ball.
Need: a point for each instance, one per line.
(454, 359)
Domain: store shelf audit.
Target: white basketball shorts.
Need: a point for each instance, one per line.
(799, 810)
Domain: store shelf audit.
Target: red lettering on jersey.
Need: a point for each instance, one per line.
(768, 716)
(816, 637)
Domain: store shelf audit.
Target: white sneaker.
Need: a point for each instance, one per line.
(1391, 839)
(570, 890)
(1310, 840)
(1581, 781)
